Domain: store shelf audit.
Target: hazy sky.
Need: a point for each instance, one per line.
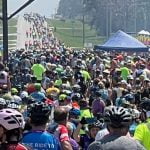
(44, 7)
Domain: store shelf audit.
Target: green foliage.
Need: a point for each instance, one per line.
(71, 33)
(108, 16)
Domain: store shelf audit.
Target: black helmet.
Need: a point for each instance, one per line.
(118, 117)
(76, 88)
(145, 104)
(97, 124)
(39, 113)
(30, 100)
(98, 93)
(129, 97)
(76, 97)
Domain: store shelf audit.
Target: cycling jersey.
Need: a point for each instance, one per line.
(142, 134)
(85, 141)
(13, 146)
(62, 133)
(41, 140)
(116, 142)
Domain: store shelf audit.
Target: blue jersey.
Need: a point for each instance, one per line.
(41, 140)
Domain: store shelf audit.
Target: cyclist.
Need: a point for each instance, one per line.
(11, 121)
(93, 127)
(118, 120)
(38, 138)
(142, 131)
(61, 117)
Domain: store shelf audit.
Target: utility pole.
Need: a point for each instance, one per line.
(83, 30)
(5, 31)
(5, 19)
(107, 22)
(135, 15)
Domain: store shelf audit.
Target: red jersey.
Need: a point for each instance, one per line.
(16, 147)
(62, 133)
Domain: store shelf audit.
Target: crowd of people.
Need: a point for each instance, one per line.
(53, 97)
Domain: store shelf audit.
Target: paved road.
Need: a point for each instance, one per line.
(22, 27)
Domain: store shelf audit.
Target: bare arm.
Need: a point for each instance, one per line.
(66, 145)
(76, 133)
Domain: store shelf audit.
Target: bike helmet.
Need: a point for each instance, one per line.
(129, 97)
(118, 117)
(75, 112)
(13, 105)
(76, 97)
(145, 104)
(11, 119)
(24, 94)
(14, 91)
(37, 86)
(62, 97)
(97, 124)
(98, 93)
(3, 103)
(76, 88)
(30, 100)
(39, 113)
(67, 92)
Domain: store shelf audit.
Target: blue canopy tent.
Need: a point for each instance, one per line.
(121, 41)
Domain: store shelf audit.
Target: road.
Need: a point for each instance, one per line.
(22, 27)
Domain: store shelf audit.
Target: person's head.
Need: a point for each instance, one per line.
(98, 94)
(118, 71)
(95, 127)
(74, 113)
(142, 66)
(145, 107)
(37, 86)
(76, 88)
(38, 61)
(130, 79)
(3, 103)
(61, 115)
(106, 73)
(14, 91)
(33, 79)
(124, 84)
(39, 113)
(2, 67)
(84, 104)
(118, 120)
(62, 99)
(137, 81)
(96, 81)
(147, 83)
(76, 97)
(101, 85)
(13, 105)
(11, 123)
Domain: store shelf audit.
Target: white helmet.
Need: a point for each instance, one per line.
(11, 119)
(24, 94)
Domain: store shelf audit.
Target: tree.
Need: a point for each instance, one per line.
(108, 16)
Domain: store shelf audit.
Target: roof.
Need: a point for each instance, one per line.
(122, 42)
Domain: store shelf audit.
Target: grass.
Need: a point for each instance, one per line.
(71, 33)
(12, 23)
